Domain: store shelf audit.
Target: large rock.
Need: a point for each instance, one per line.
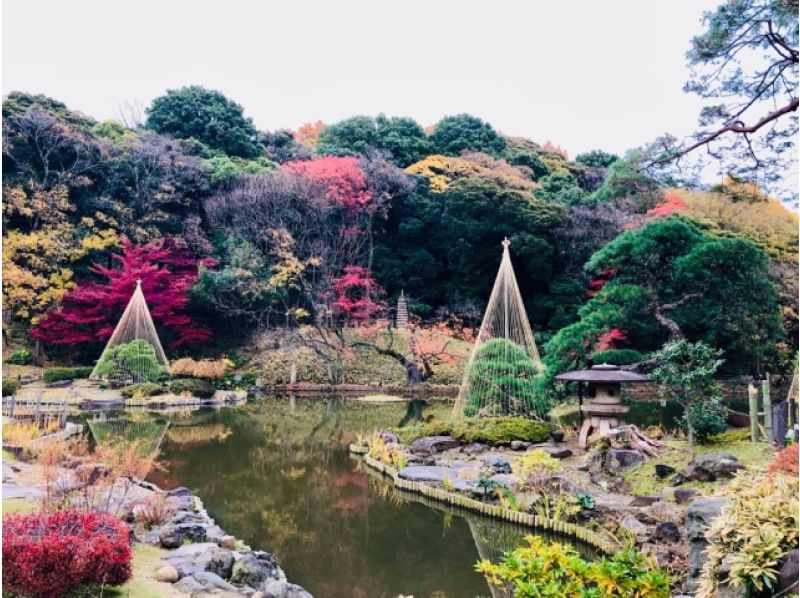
(194, 558)
(497, 463)
(789, 571)
(635, 528)
(221, 563)
(203, 582)
(431, 445)
(389, 437)
(170, 537)
(475, 448)
(702, 511)
(683, 496)
(621, 459)
(254, 568)
(167, 573)
(710, 467)
(278, 588)
(667, 532)
(427, 473)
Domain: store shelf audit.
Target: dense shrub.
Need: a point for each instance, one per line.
(786, 461)
(53, 554)
(541, 568)
(203, 368)
(142, 389)
(56, 374)
(502, 380)
(491, 430)
(708, 419)
(20, 357)
(11, 386)
(135, 361)
(193, 386)
(758, 526)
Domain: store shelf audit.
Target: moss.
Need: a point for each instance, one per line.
(643, 481)
(146, 561)
(490, 430)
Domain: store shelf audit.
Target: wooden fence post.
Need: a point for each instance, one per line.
(752, 392)
(767, 408)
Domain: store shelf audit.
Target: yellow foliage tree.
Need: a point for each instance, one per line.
(442, 171)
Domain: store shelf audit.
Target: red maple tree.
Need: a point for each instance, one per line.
(356, 295)
(672, 204)
(613, 339)
(597, 283)
(344, 179)
(91, 310)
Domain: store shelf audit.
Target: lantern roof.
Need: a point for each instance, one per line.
(606, 373)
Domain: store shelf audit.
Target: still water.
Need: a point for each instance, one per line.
(276, 473)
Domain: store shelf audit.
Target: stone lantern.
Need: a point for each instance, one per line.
(603, 411)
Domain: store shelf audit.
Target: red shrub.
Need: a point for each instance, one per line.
(786, 461)
(51, 554)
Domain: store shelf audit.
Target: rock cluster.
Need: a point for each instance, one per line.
(204, 561)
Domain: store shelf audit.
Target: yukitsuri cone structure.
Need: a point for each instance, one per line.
(501, 375)
(133, 354)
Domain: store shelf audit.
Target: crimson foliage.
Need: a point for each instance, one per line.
(347, 187)
(52, 554)
(357, 295)
(91, 310)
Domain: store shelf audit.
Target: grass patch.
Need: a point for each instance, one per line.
(491, 430)
(15, 506)
(146, 560)
(643, 481)
(9, 457)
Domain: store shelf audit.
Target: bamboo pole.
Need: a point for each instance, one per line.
(765, 390)
(752, 393)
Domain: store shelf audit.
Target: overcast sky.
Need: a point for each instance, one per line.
(583, 74)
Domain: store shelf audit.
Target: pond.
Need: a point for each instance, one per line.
(277, 474)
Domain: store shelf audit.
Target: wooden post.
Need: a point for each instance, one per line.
(752, 392)
(580, 400)
(38, 409)
(13, 404)
(293, 374)
(767, 408)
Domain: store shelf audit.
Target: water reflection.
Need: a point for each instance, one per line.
(277, 474)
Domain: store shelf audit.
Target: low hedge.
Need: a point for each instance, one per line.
(11, 386)
(489, 430)
(56, 374)
(20, 357)
(194, 386)
(143, 389)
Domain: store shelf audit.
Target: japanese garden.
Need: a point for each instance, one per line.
(383, 357)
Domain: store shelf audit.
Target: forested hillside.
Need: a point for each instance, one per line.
(234, 231)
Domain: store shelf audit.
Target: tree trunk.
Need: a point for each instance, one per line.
(690, 428)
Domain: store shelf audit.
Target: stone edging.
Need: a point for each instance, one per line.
(570, 530)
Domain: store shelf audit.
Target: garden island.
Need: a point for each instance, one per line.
(368, 358)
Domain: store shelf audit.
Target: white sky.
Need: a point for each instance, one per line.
(584, 74)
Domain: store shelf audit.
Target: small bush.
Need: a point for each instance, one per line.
(541, 568)
(154, 510)
(135, 361)
(20, 357)
(490, 430)
(143, 389)
(204, 368)
(708, 419)
(53, 554)
(11, 386)
(786, 461)
(759, 525)
(56, 374)
(193, 386)
(617, 356)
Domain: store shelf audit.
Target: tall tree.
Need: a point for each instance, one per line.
(205, 115)
(745, 64)
(90, 310)
(454, 134)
